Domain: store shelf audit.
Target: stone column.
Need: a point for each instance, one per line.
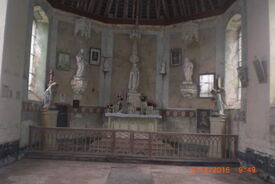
(107, 44)
(162, 81)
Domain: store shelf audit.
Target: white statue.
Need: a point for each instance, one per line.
(134, 78)
(48, 96)
(163, 68)
(188, 70)
(219, 101)
(79, 84)
(80, 62)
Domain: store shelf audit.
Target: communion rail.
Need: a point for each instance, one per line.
(137, 145)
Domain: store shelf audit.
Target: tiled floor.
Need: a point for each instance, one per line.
(34, 171)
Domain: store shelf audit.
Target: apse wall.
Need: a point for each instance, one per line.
(154, 47)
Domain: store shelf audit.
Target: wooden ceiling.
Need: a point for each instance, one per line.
(150, 12)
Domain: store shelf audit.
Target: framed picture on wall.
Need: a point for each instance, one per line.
(63, 61)
(95, 56)
(203, 121)
(175, 57)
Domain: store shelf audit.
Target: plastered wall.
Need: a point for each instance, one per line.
(69, 43)
(12, 69)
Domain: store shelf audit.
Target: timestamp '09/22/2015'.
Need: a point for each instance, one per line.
(223, 170)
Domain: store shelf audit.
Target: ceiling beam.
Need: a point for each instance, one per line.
(157, 8)
(116, 8)
(165, 9)
(98, 8)
(180, 8)
(211, 4)
(125, 8)
(148, 9)
(183, 7)
(134, 9)
(175, 10)
(188, 7)
(108, 7)
(91, 6)
(196, 4)
(202, 2)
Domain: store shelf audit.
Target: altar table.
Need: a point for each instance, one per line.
(136, 122)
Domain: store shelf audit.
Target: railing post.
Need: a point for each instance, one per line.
(113, 141)
(150, 145)
(223, 145)
(132, 142)
(30, 137)
(235, 147)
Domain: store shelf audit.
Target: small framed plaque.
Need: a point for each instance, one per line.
(95, 56)
(63, 61)
(176, 57)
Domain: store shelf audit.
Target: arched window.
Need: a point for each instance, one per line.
(3, 6)
(38, 55)
(233, 60)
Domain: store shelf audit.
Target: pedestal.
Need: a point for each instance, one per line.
(217, 127)
(49, 120)
(188, 90)
(79, 86)
(134, 99)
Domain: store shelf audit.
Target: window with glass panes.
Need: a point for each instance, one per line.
(206, 85)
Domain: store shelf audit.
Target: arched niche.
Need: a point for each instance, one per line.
(233, 60)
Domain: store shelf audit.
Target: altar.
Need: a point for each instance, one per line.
(135, 122)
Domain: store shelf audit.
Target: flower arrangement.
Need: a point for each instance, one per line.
(151, 103)
(121, 95)
(143, 98)
(109, 107)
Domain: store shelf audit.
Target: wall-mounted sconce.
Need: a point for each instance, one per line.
(162, 68)
(106, 64)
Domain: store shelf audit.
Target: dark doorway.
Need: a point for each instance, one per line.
(62, 117)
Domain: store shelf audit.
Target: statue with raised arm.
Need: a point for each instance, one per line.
(217, 93)
(188, 70)
(48, 96)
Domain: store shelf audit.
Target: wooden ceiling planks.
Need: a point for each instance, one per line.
(151, 12)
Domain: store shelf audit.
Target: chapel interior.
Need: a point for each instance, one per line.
(185, 82)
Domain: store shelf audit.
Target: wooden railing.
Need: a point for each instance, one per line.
(148, 145)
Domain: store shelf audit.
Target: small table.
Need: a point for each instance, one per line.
(135, 122)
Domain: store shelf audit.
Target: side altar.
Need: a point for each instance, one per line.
(135, 122)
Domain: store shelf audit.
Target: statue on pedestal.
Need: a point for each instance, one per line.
(188, 88)
(188, 71)
(78, 83)
(133, 79)
(80, 62)
(48, 96)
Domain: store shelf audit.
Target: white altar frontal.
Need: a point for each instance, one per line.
(136, 122)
